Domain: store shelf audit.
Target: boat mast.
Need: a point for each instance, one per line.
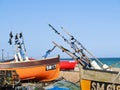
(20, 50)
(79, 49)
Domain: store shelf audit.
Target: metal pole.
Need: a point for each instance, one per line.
(2, 54)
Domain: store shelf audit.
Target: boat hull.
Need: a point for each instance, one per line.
(67, 65)
(99, 79)
(44, 70)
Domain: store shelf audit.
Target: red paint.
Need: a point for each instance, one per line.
(67, 65)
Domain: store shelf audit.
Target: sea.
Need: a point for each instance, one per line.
(113, 62)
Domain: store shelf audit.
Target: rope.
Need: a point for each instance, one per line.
(116, 78)
(77, 42)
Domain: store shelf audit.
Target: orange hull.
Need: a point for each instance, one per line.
(44, 70)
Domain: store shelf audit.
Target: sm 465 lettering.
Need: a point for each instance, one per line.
(104, 86)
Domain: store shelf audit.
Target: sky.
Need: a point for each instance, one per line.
(94, 23)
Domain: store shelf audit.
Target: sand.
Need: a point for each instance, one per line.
(72, 76)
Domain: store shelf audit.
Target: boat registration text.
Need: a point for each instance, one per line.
(104, 86)
(51, 67)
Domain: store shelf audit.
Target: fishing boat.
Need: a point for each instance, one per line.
(45, 69)
(94, 75)
(67, 64)
(94, 79)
